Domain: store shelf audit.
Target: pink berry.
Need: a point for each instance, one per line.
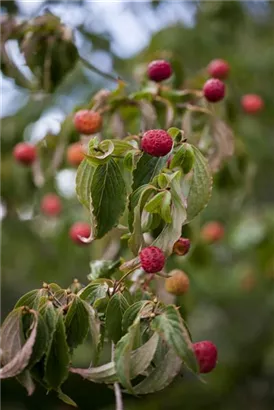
(218, 69)
(252, 103)
(159, 70)
(206, 354)
(79, 229)
(152, 259)
(214, 90)
(25, 153)
(212, 232)
(87, 121)
(51, 205)
(181, 247)
(157, 143)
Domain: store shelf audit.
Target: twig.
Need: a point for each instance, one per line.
(98, 71)
(117, 390)
(124, 277)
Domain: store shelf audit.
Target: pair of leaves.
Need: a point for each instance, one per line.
(103, 191)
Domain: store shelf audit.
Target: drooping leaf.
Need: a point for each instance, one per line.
(154, 205)
(95, 291)
(108, 195)
(171, 328)
(147, 168)
(26, 380)
(84, 177)
(16, 354)
(172, 231)
(57, 358)
(94, 330)
(200, 186)
(102, 269)
(41, 340)
(50, 315)
(31, 299)
(65, 398)
(136, 240)
(165, 210)
(116, 307)
(134, 310)
(76, 322)
(102, 374)
(161, 376)
(122, 355)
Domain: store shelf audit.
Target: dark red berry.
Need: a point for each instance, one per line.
(206, 354)
(159, 70)
(218, 69)
(157, 143)
(152, 259)
(51, 205)
(214, 90)
(181, 247)
(79, 229)
(252, 103)
(25, 153)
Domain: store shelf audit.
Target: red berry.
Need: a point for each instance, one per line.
(152, 259)
(159, 70)
(181, 247)
(206, 354)
(157, 143)
(212, 231)
(87, 121)
(79, 229)
(75, 154)
(51, 205)
(214, 90)
(252, 103)
(218, 69)
(25, 153)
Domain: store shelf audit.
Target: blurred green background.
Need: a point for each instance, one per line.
(231, 299)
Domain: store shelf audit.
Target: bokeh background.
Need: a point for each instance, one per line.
(231, 300)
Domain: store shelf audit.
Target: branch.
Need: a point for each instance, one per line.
(98, 71)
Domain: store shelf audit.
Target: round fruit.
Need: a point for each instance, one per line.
(218, 69)
(159, 70)
(181, 247)
(75, 154)
(157, 143)
(152, 259)
(252, 103)
(206, 354)
(87, 121)
(212, 232)
(51, 205)
(177, 283)
(79, 229)
(214, 90)
(25, 153)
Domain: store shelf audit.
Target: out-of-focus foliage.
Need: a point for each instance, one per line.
(231, 283)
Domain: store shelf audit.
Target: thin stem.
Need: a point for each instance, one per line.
(98, 71)
(117, 390)
(124, 277)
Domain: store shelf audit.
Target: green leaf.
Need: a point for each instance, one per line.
(66, 399)
(15, 353)
(94, 291)
(26, 380)
(41, 340)
(84, 177)
(49, 314)
(99, 154)
(154, 205)
(31, 299)
(161, 376)
(171, 328)
(76, 322)
(200, 186)
(165, 210)
(136, 240)
(102, 374)
(172, 231)
(103, 269)
(108, 194)
(120, 146)
(135, 310)
(122, 355)
(57, 358)
(175, 133)
(114, 313)
(94, 330)
(147, 168)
